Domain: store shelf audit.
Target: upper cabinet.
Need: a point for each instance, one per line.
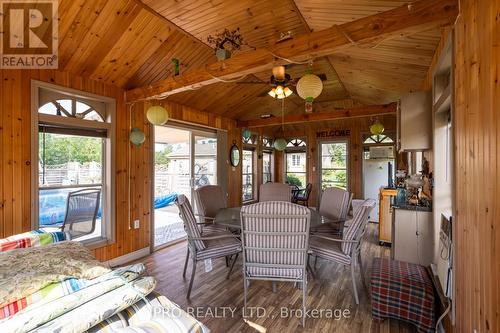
(415, 121)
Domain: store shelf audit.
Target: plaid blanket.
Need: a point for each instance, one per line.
(402, 291)
(32, 238)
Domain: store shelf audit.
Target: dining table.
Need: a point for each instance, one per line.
(230, 217)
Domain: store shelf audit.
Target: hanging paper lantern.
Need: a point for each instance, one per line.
(280, 144)
(309, 87)
(246, 134)
(157, 115)
(377, 128)
(137, 137)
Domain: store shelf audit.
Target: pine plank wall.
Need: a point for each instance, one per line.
(132, 164)
(477, 165)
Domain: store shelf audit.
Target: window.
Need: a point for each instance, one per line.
(374, 139)
(296, 162)
(247, 175)
(267, 167)
(73, 150)
(334, 159)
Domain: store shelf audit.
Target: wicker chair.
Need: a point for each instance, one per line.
(275, 237)
(347, 249)
(82, 207)
(275, 192)
(202, 246)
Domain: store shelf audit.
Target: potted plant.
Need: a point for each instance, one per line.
(225, 43)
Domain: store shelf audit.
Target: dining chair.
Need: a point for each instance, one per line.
(205, 245)
(275, 192)
(209, 199)
(82, 207)
(275, 239)
(303, 198)
(345, 250)
(334, 205)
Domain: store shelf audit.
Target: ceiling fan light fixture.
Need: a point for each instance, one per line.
(280, 92)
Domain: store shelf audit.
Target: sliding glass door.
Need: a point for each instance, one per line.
(184, 160)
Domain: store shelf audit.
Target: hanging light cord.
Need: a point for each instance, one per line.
(308, 61)
(283, 116)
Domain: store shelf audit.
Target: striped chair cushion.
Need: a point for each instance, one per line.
(360, 219)
(334, 203)
(287, 243)
(275, 192)
(220, 247)
(292, 273)
(189, 220)
(329, 250)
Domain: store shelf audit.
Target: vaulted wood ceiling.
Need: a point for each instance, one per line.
(130, 43)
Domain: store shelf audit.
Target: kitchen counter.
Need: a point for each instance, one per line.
(407, 206)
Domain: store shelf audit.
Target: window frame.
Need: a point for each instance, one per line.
(108, 226)
(270, 153)
(252, 150)
(300, 147)
(320, 160)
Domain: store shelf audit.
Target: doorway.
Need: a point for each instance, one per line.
(184, 159)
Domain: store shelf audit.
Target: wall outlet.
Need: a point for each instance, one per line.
(137, 224)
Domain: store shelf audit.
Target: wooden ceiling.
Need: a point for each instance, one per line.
(130, 44)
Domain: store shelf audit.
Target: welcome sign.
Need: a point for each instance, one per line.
(333, 133)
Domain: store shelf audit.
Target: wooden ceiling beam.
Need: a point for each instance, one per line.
(365, 111)
(421, 13)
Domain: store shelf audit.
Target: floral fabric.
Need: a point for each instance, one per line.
(25, 271)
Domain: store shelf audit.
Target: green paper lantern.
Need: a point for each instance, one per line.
(377, 128)
(137, 137)
(280, 144)
(157, 115)
(246, 134)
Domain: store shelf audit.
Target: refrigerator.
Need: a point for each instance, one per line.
(377, 173)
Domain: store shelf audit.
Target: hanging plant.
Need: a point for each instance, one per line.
(226, 42)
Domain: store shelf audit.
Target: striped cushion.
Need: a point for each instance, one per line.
(334, 203)
(360, 219)
(190, 225)
(329, 250)
(286, 245)
(160, 315)
(293, 273)
(275, 192)
(221, 247)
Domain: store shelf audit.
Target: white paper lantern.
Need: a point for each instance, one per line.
(157, 115)
(309, 87)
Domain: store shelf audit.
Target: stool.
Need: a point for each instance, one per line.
(402, 291)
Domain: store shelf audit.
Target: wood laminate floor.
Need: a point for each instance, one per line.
(330, 290)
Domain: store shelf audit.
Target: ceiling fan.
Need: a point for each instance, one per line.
(281, 83)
